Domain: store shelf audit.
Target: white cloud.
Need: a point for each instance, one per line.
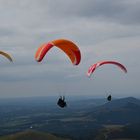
(103, 29)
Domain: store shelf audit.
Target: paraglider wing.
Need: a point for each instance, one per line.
(93, 67)
(6, 55)
(70, 49)
(40, 53)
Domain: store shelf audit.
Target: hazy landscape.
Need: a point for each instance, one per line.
(87, 50)
(83, 119)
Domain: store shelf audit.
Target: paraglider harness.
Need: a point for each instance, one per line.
(61, 102)
(109, 98)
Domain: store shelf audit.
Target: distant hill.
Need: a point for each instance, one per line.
(118, 103)
(81, 120)
(119, 111)
(32, 135)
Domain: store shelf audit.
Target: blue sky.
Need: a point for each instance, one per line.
(103, 30)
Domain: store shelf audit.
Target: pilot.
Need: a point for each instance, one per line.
(61, 102)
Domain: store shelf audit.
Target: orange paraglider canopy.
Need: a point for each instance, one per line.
(67, 46)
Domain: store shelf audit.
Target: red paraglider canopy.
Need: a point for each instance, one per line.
(93, 67)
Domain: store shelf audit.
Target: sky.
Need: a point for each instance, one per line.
(102, 29)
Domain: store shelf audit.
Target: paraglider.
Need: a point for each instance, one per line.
(6, 55)
(93, 67)
(109, 98)
(68, 47)
(61, 102)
